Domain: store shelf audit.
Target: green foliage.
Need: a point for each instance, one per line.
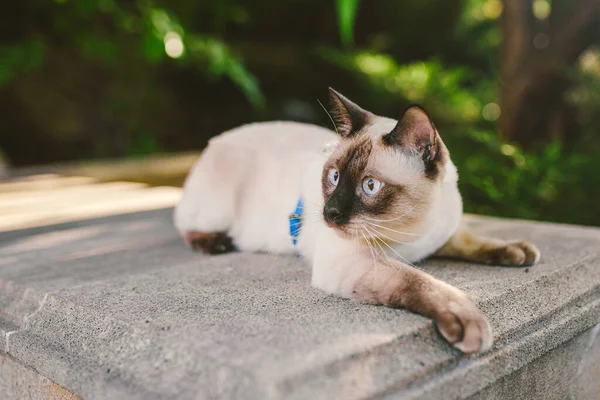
(496, 178)
(214, 56)
(122, 28)
(347, 10)
(219, 60)
(19, 58)
(144, 143)
(210, 54)
(500, 179)
(440, 88)
(136, 46)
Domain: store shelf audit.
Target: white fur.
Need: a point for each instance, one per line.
(249, 179)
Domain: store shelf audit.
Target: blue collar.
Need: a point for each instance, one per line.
(296, 221)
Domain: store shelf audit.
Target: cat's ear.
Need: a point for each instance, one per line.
(347, 116)
(416, 132)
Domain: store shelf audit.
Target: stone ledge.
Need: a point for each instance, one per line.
(19, 382)
(569, 371)
(119, 308)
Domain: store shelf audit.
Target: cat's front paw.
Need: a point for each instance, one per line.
(465, 327)
(515, 253)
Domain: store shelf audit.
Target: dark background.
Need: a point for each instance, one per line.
(512, 85)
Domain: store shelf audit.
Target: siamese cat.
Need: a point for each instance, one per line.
(370, 200)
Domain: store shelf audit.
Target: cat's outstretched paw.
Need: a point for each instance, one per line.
(515, 253)
(465, 327)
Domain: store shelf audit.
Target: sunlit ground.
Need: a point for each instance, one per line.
(108, 188)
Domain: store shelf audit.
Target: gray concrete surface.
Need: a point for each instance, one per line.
(20, 382)
(570, 371)
(119, 308)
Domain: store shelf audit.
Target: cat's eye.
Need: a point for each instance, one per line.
(333, 176)
(371, 186)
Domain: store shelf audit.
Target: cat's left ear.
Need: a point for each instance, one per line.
(416, 132)
(348, 117)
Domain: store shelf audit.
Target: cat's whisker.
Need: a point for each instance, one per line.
(384, 220)
(385, 254)
(329, 115)
(365, 239)
(307, 212)
(395, 252)
(382, 254)
(314, 218)
(312, 202)
(389, 238)
(304, 212)
(391, 219)
(312, 214)
(316, 215)
(394, 230)
(275, 259)
(373, 254)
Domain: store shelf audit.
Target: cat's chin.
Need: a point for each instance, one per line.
(341, 232)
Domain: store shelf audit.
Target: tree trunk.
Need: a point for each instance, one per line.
(534, 81)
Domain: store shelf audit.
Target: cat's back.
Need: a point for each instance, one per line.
(276, 137)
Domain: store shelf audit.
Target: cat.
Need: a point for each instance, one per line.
(360, 204)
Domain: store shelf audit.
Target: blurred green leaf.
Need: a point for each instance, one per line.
(107, 6)
(85, 8)
(152, 48)
(98, 47)
(347, 11)
(246, 82)
(144, 143)
(5, 75)
(22, 57)
(220, 61)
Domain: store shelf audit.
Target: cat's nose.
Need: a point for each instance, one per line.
(334, 216)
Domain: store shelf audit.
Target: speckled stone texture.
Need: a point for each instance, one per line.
(570, 371)
(18, 382)
(120, 308)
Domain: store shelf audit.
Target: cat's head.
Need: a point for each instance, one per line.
(384, 175)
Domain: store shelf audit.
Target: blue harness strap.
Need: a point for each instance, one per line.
(296, 221)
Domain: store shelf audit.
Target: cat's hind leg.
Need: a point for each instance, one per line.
(208, 207)
(209, 242)
(466, 245)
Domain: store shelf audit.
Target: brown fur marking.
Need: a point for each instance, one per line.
(356, 159)
(416, 133)
(397, 285)
(351, 167)
(466, 245)
(209, 242)
(349, 118)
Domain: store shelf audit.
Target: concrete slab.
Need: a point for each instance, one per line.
(569, 371)
(19, 382)
(119, 308)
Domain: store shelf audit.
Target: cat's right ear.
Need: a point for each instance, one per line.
(347, 116)
(416, 132)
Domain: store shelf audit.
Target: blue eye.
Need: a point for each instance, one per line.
(371, 186)
(333, 176)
